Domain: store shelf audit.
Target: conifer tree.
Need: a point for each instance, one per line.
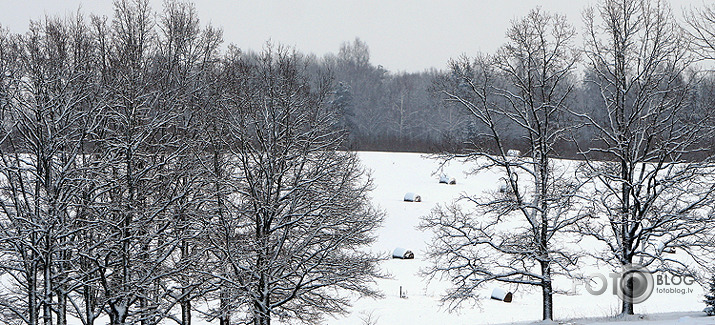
(710, 298)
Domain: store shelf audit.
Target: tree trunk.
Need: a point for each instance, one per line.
(547, 293)
(261, 311)
(262, 315)
(33, 309)
(627, 306)
(47, 294)
(144, 308)
(185, 310)
(88, 293)
(225, 318)
(61, 307)
(542, 183)
(185, 299)
(61, 290)
(626, 240)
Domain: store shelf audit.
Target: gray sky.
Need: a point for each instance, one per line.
(402, 35)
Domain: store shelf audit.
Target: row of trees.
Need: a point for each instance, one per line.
(143, 169)
(644, 182)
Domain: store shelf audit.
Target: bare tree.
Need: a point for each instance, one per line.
(188, 57)
(139, 183)
(20, 261)
(46, 121)
(651, 191)
(525, 86)
(299, 207)
(218, 168)
(702, 30)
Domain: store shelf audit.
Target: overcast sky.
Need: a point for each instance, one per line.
(402, 35)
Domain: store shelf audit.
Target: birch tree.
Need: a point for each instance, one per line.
(515, 234)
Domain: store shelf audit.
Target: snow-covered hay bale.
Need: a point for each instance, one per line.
(513, 153)
(412, 197)
(402, 253)
(501, 295)
(444, 179)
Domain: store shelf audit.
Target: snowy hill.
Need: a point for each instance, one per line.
(398, 173)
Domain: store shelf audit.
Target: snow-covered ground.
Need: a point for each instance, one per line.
(398, 173)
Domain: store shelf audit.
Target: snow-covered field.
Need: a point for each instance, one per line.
(398, 173)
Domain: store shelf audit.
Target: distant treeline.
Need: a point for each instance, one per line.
(387, 111)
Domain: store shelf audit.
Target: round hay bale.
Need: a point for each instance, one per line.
(402, 253)
(501, 295)
(412, 197)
